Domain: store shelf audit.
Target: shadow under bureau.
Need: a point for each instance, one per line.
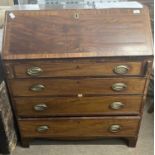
(78, 73)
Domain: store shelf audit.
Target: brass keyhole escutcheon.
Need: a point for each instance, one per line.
(76, 15)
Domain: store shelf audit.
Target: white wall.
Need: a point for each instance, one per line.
(6, 2)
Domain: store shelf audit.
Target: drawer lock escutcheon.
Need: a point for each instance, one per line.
(37, 88)
(117, 105)
(43, 128)
(119, 86)
(76, 15)
(115, 128)
(40, 107)
(34, 71)
(121, 69)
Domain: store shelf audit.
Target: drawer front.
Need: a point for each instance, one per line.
(66, 69)
(86, 86)
(80, 127)
(72, 106)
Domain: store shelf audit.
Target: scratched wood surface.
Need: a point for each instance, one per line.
(57, 34)
(77, 127)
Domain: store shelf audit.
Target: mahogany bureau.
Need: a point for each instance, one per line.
(78, 73)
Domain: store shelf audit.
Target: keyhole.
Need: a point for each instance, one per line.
(77, 67)
(76, 15)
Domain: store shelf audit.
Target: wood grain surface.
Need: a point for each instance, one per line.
(57, 34)
(71, 68)
(67, 87)
(74, 106)
(80, 127)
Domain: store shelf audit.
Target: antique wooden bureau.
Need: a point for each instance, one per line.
(78, 73)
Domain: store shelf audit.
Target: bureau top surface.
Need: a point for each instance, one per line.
(75, 33)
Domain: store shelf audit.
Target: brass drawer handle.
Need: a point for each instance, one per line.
(40, 107)
(117, 105)
(43, 128)
(115, 128)
(37, 87)
(121, 69)
(34, 71)
(119, 86)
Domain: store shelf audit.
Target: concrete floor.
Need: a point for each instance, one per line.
(100, 147)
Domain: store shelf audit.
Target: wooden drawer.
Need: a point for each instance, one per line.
(77, 68)
(85, 86)
(72, 106)
(80, 127)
